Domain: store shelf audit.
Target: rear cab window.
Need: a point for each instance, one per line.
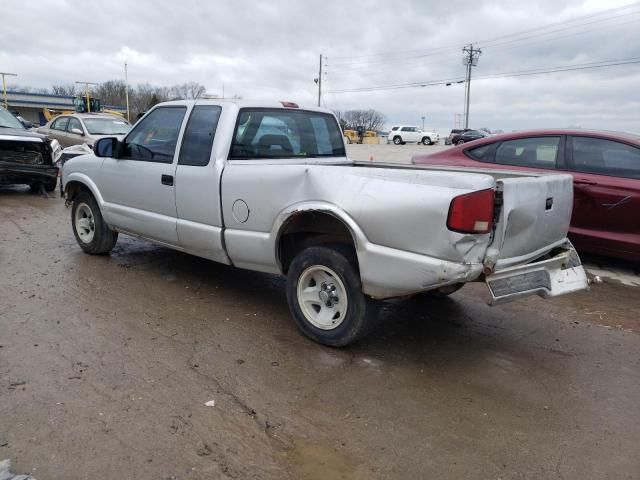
(263, 133)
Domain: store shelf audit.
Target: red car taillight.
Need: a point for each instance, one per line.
(472, 212)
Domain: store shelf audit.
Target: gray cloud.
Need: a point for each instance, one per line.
(266, 49)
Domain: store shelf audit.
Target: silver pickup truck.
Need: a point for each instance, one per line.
(268, 187)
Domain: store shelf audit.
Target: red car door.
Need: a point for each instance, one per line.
(606, 208)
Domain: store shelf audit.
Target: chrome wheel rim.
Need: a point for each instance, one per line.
(84, 223)
(322, 297)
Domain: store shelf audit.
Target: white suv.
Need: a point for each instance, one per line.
(402, 134)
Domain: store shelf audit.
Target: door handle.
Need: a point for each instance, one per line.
(166, 179)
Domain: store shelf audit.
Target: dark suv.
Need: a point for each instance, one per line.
(466, 135)
(25, 157)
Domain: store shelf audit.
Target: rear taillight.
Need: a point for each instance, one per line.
(472, 212)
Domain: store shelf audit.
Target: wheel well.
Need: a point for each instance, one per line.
(306, 229)
(73, 188)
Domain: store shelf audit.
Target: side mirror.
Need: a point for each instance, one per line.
(26, 123)
(106, 147)
(77, 131)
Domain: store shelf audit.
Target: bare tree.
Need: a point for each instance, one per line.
(69, 89)
(369, 119)
(187, 91)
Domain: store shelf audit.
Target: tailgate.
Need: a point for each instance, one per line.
(534, 218)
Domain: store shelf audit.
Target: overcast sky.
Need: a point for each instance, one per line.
(270, 49)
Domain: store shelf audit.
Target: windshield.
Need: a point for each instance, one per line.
(106, 126)
(7, 120)
(286, 133)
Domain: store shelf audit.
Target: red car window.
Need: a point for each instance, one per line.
(605, 157)
(535, 152)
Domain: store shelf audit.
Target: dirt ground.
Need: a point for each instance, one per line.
(106, 364)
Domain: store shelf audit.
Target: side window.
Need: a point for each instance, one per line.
(198, 137)
(537, 152)
(154, 138)
(74, 123)
(605, 157)
(481, 153)
(405, 129)
(60, 124)
(393, 129)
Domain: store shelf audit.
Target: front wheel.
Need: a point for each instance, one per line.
(426, 141)
(91, 232)
(459, 142)
(325, 296)
(397, 140)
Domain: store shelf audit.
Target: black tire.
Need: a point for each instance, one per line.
(426, 141)
(104, 239)
(397, 140)
(51, 186)
(459, 142)
(361, 313)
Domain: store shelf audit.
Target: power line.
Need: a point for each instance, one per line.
(537, 71)
(495, 40)
(494, 44)
(564, 22)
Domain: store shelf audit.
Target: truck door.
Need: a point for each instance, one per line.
(138, 187)
(198, 187)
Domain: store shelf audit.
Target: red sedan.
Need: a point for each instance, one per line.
(606, 179)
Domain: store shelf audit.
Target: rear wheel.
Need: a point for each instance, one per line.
(325, 296)
(91, 232)
(397, 140)
(426, 141)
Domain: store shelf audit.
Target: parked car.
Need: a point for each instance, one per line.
(25, 157)
(467, 136)
(402, 134)
(268, 187)
(81, 128)
(454, 132)
(606, 179)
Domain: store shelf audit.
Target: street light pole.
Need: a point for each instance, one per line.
(4, 87)
(470, 59)
(423, 117)
(320, 81)
(126, 89)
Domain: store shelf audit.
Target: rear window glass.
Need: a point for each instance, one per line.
(284, 133)
(479, 153)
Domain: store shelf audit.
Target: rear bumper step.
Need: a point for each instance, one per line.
(563, 273)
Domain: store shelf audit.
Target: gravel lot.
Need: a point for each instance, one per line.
(106, 364)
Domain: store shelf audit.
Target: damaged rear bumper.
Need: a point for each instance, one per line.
(558, 274)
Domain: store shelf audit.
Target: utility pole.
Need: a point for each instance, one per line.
(126, 89)
(86, 89)
(470, 57)
(423, 117)
(319, 81)
(4, 87)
